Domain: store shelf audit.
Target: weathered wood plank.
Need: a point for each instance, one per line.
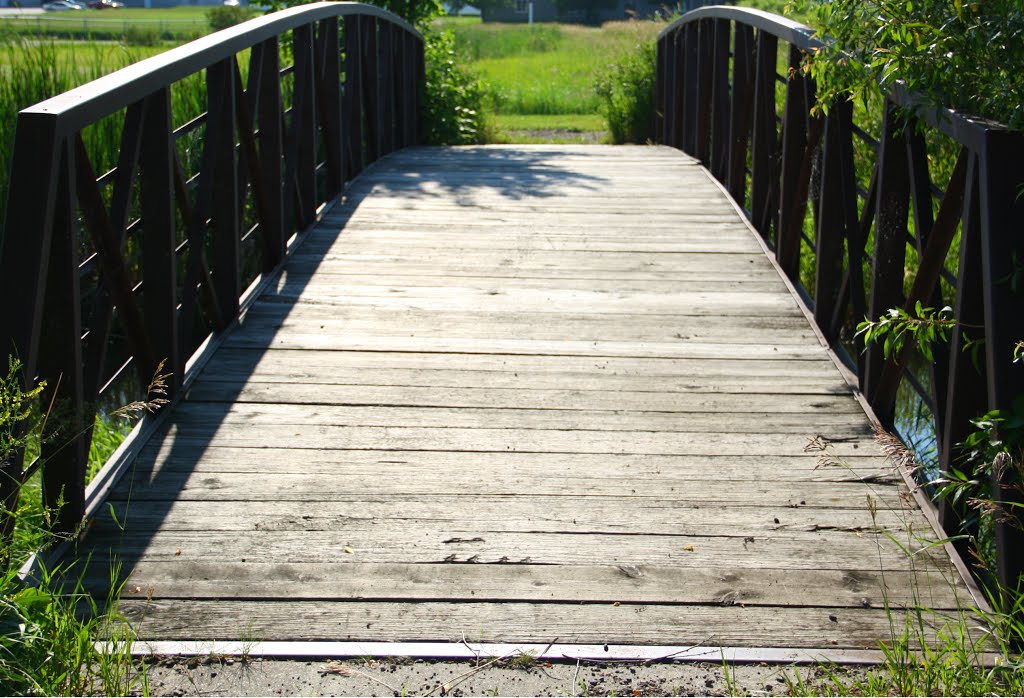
(511, 513)
(673, 373)
(169, 455)
(258, 486)
(195, 416)
(529, 622)
(415, 544)
(598, 328)
(532, 583)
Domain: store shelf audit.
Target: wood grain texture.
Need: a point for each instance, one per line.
(513, 394)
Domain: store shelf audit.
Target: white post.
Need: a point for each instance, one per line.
(531, 13)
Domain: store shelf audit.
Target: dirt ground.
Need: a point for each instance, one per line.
(523, 676)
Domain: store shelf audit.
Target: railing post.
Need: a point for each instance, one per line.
(24, 269)
(1002, 247)
(64, 451)
(223, 182)
(159, 260)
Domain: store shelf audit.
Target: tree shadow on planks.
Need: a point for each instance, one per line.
(473, 175)
(140, 521)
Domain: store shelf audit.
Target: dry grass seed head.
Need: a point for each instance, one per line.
(895, 451)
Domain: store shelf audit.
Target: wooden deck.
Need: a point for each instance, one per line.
(523, 394)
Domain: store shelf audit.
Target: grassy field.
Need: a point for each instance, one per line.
(137, 25)
(539, 81)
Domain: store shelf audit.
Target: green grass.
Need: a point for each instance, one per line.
(561, 122)
(546, 72)
(175, 23)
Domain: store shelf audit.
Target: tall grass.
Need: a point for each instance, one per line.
(34, 70)
(49, 623)
(547, 69)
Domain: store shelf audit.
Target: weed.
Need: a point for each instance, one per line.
(929, 652)
(523, 660)
(626, 90)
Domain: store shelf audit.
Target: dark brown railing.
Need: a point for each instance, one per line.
(192, 213)
(831, 198)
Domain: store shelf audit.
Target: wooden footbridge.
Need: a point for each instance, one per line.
(571, 399)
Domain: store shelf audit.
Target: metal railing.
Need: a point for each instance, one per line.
(150, 253)
(856, 221)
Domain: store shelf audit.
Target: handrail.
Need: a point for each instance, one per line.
(838, 214)
(87, 103)
(790, 31)
(171, 237)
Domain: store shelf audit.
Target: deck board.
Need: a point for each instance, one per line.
(572, 362)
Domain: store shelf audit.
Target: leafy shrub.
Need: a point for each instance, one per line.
(137, 35)
(967, 56)
(224, 16)
(452, 101)
(626, 89)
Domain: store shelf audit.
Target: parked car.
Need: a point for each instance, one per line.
(61, 6)
(104, 5)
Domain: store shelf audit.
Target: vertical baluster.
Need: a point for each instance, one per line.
(329, 102)
(401, 77)
(352, 101)
(265, 63)
(661, 68)
(421, 85)
(670, 127)
(965, 388)
(793, 190)
(303, 125)
(65, 453)
(160, 294)
(223, 185)
(740, 111)
(705, 92)
(920, 186)
(720, 100)
(410, 89)
(889, 263)
(371, 87)
(678, 88)
(387, 89)
(836, 198)
(765, 146)
(1002, 246)
(690, 86)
